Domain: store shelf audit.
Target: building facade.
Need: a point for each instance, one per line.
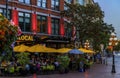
(40, 20)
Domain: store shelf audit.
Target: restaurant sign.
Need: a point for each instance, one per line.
(25, 38)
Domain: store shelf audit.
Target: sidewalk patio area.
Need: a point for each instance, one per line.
(96, 71)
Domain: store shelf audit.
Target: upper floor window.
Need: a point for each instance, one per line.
(25, 1)
(3, 12)
(55, 4)
(41, 3)
(68, 1)
(24, 21)
(41, 23)
(68, 29)
(55, 26)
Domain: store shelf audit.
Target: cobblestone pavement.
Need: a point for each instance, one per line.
(96, 71)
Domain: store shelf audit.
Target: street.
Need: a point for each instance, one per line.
(96, 71)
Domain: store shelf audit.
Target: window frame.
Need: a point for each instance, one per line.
(4, 13)
(42, 29)
(54, 5)
(68, 29)
(25, 27)
(25, 1)
(42, 2)
(55, 26)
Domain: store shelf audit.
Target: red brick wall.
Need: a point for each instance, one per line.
(34, 7)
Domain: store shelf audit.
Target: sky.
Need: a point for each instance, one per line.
(112, 13)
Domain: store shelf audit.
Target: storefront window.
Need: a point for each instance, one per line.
(41, 3)
(55, 26)
(42, 23)
(24, 21)
(55, 4)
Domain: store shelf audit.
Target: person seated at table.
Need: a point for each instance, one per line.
(56, 64)
(4, 63)
(44, 63)
(38, 66)
(27, 67)
(3, 66)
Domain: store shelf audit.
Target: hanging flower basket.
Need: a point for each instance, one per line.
(7, 30)
(8, 35)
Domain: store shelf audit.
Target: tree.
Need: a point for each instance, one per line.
(8, 35)
(89, 22)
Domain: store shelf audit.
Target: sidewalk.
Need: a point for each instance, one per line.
(96, 71)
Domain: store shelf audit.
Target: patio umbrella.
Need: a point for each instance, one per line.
(86, 51)
(50, 50)
(63, 50)
(75, 51)
(20, 48)
(36, 48)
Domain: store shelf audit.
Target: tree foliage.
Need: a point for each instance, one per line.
(89, 23)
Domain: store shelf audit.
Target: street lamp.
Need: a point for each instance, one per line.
(113, 42)
(86, 44)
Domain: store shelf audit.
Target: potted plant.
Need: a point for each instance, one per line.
(63, 63)
(23, 59)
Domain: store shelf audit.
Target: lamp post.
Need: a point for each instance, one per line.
(7, 9)
(86, 44)
(113, 42)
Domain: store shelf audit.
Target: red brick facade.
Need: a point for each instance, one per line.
(15, 6)
(32, 7)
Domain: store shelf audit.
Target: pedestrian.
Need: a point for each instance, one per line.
(103, 60)
(81, 66)
(98, 58)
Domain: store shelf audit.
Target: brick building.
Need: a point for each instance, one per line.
(40, 20)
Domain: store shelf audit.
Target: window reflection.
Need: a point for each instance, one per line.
(24, 21)
(41, 24)
(55, 26)
(55, 4)
(3, 12)
(25, 1)
(68, 29)
(41, 3)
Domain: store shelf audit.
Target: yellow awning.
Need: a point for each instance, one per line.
(36, 48)
(86, 51)
(63, 50)
(20, 48)
(50, 50)
(40, 48)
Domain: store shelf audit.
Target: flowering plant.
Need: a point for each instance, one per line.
(8, 35)
(7, 29)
